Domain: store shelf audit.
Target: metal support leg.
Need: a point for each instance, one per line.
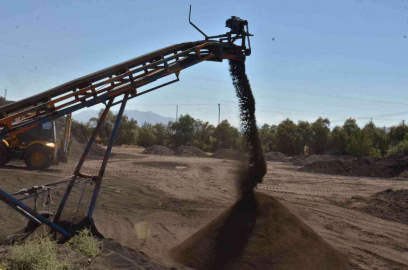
(81, 161)
(107, 154)
(29, 213)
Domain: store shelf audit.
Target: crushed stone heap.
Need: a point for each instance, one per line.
(262, 236)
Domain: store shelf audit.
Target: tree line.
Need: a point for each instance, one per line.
(288, 137)
(349, 139)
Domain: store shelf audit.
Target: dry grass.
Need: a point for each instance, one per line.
(85, 243)
(40, 253)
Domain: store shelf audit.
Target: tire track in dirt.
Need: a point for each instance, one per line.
(131, 195)
(313, 192)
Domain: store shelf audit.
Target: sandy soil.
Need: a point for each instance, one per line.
(153, 203)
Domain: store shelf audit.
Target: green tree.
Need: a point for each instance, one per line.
(351, 127)
(287, 138)
(378, 136)
(267, 135)
(321, 132)
(360, 144)
(338, 141)
(183, 131)
(126, 133)
(399, 149)
(106, 128)
(227, 136)
(203, 135)
(397, 133)
(146, 135)
(160, 134)
(305, 135)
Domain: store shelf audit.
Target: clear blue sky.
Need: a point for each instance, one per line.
(334, 59)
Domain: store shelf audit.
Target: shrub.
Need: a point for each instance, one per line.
(400, 149)
(360, 144)
(37, 254)
(85, 243)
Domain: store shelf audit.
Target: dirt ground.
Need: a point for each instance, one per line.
(153, 203)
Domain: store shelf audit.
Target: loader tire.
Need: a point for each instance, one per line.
(38, 157)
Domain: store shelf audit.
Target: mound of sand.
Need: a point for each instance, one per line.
(265, 237)
(387, 167)
(297, 159)
(189, 151)
(389, 204)
(79, 140)
(158, 150)
(78, 131)
(276, 156)
(229, 154)
(96, 152)
(303, 160)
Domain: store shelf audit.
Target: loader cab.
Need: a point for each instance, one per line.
(45, 133)
(37, 147)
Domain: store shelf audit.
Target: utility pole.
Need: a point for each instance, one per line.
(219, 113)
(218, 132)
(5, 93)
(176, 113)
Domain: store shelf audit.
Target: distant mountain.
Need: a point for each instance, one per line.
(139, 116)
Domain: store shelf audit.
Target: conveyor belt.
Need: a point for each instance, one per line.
(20, 116)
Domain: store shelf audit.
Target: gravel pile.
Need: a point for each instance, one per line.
(189, 151)
(303, 160)
(79, 141)
(276, 156)
(387, 167)
(96, 152)
(158, 150)
(267, 237)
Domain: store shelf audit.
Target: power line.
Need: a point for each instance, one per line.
(212, 79)
(35, 71)
(292, 100)
(332, 96)
(278, 108)
(45, 62)
(203, 78)
(172, 105)
(308, 93)
(24, 46)
(274, 111)
(266, 87)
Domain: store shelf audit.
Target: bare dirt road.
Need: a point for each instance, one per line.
(153, 203)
